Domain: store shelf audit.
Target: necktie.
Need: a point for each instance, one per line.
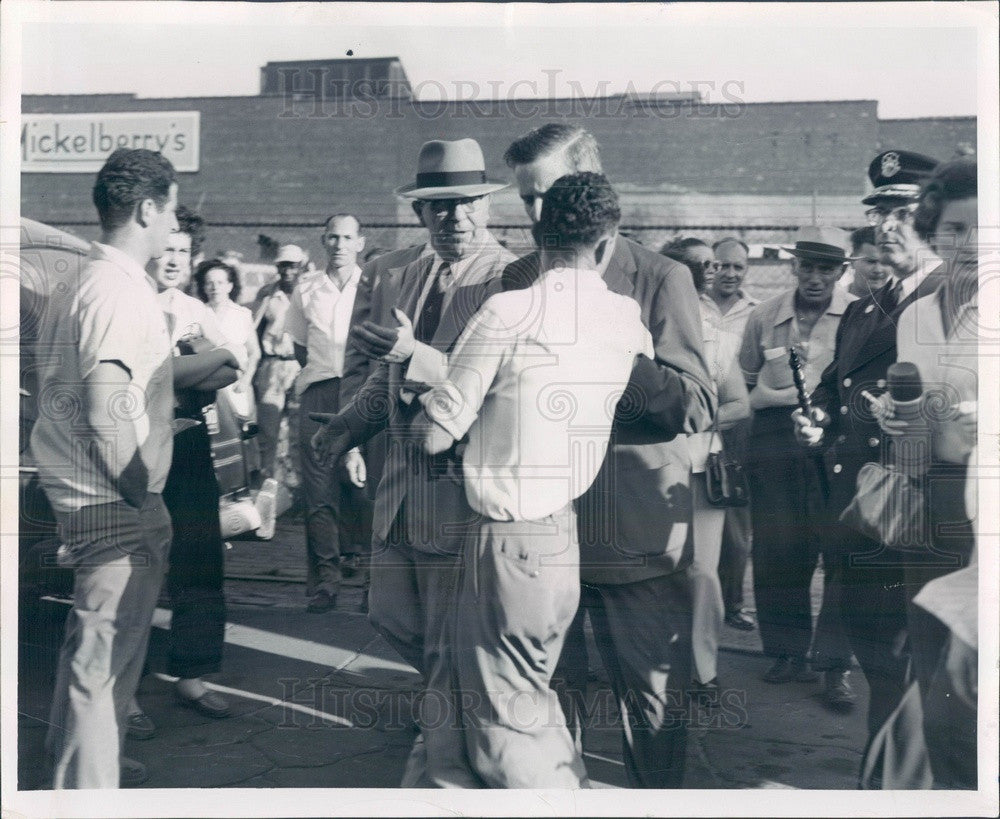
(430, 313)
(895, 294)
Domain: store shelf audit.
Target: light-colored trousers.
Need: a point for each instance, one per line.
(118, 555)
(706, 591)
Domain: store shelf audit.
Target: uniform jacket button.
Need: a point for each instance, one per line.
(873, 442)
(843, 410)
(837, 469)
(847, 382)
(841, 439)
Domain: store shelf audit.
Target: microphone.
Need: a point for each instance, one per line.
(906, 389)
(911, 451)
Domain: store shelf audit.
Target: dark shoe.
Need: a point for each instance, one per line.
(132, 773)
(706, 695)
(740, 620)
(139, 726)
(802, 671)
(321, 602)
(781, 672)
(837, 693)
(208, 704)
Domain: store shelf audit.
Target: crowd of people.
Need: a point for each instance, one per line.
(507, 446)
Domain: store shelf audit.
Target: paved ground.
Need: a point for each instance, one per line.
(321, 701)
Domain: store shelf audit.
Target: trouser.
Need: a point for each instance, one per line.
(197, 557)
(788, 526)
(118, 556)
(413, 595)
(643, 633)
(737, 531)
(324, 494)
(707, 610)
(520, 587)
(950, 727)
(273, 389)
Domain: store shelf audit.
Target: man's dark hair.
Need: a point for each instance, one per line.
(862, 236)
(577, 210)
(677, 249)
(193, 225)
(582, 150)
(956, 179)
(735, 241)
(206, 267)
(128, 177)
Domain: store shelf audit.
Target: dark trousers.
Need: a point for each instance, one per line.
(788, 513)
(338, 514)
(643, 633)
(873, 610)
(737, 530)
(195, 577)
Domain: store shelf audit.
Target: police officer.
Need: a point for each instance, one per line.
(874, 598)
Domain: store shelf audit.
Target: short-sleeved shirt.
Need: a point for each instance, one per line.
(771, 329)
(319, 319)
(534, 380)
(235, 321)
(112, 314)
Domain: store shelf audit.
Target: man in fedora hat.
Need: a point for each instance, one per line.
(421, 513)
(785, 482)
(635, 519)
(872, 589)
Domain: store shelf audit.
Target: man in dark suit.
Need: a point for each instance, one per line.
(873, 593)
(635, 520)
(421, 512)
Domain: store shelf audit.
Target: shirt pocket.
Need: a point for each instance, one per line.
(776, 373)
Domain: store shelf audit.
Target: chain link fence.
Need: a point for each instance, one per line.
(251, 245)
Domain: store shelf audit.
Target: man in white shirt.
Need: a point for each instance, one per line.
(318, 321)
(532, 385)
(103, 447)
(421, 512)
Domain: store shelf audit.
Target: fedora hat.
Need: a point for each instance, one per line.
(450, 170)
(823, 243)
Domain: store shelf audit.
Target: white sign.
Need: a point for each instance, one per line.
(80, 143)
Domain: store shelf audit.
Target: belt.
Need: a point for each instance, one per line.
(279, 357)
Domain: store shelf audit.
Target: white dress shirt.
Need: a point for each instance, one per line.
(534, 380)
(319, 319)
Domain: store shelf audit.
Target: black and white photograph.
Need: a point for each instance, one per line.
(420, 399)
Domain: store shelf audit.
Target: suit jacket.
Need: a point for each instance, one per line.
(865, 347)
(437, 513)
(376, 295)
(635, 520)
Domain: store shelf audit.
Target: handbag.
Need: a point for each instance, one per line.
(888, 507)
(725, 481)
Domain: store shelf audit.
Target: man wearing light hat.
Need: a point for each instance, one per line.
(873, 593)
(278, 369)
(421, 512)
(785, 483)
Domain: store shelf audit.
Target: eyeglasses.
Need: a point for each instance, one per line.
(878, 216)
(442, 207)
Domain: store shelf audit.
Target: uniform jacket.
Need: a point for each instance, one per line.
(865, 347)
(437, 511)
(635, 520)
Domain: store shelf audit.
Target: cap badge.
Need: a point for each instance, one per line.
(890, 164)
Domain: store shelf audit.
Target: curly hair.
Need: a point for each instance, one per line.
(950, 181)
(127, 178)
(216, 264)
(582, 150)
(577, 211)
(193, 225)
